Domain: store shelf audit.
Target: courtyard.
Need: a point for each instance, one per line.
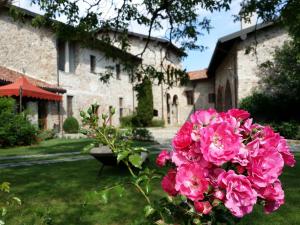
(69, 192)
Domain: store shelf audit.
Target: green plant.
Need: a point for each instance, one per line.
(145, 102)
(44, 135)
(71, 125)
(157, 123)
(286, 129)
(15, 128)
(127, 121)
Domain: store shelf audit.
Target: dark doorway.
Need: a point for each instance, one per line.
(228, 97)
(168, 108)
(42, 114)
(175, 110)
(219, 104)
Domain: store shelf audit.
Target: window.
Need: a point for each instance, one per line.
(69, 106)
(118, 71)
(72, 57)
(155, 112)
(61, 49)
(190, 97)
(66, 56)
(121, 106)
(211, 98)
(92, 63)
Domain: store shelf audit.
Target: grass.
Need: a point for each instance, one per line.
(56, 146)
(65, 193)
(47, 147)
(68, 193)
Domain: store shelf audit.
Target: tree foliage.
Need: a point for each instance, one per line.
(145, 102)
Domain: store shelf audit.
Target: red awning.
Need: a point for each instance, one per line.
(28, 90)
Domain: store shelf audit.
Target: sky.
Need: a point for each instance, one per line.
(222, 23)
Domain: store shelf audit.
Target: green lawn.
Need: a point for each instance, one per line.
(47, 147)
(66, 194)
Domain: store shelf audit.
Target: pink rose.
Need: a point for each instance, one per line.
(219, 143)
(240, 197)
(239, 114)
(242, 156)
(162, 158)
(203, 207)
(183, 138)
(265, 168)
(168, 182)
(203, 117)
(191, 181)
(284, 150)
(219, 194)
(274, 196)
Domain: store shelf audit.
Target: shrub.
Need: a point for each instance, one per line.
(141, 134)
(44, 135)
(288, 130)
(71, 125)
(157, 123)
(15, 128)
(127, 121)
(137, 134)
(145, 103)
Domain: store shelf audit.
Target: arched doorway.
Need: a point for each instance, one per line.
(168, 99)
(228, 97)
(219, 105)
(175, 110)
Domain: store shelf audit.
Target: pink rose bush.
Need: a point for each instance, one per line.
(226, 159)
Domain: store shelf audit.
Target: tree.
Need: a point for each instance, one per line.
(145, 102)
(181, 19)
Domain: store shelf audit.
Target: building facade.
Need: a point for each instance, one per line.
(74, 69)
(234, 66)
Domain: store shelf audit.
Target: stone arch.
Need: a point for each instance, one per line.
(175, 109)
(228, 97)
(219, 105)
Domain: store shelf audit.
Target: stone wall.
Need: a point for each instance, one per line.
(27, 49)
(265, 42)
(86, 87)
(225, 76)
(239, 69)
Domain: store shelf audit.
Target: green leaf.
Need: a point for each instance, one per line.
(148, 210)
(136, 160)
(104, 197)
(88, 147)
(17, 200)
(120, 190)
(5, 187)
(4, 211)
(2, 222)
(141, 179)
(122, 155)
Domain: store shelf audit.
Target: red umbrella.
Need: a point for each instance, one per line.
(22, 87)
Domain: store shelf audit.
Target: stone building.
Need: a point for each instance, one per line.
(234, 66)
(73, 69)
